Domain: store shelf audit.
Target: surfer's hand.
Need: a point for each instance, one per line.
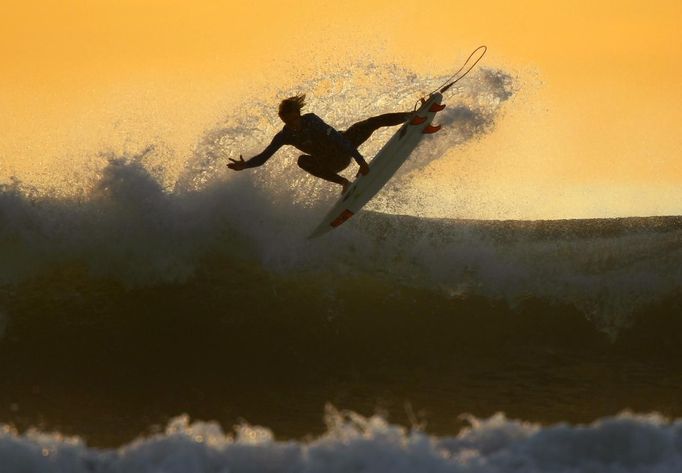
(237, 165)
(364, 169)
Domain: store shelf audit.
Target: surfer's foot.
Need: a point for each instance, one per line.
(346, 185)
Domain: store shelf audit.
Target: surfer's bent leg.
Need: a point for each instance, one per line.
(325, 169)
(361, 131)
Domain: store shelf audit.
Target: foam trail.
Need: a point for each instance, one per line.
(626, 443)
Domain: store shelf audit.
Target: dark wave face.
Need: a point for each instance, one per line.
(543, 320)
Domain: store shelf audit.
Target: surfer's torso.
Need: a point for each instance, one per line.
(314, 137)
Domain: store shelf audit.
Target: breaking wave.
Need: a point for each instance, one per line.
(131, 231)
(136, 224)
(626, 443)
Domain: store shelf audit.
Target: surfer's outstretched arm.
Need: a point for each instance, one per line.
(258, 160)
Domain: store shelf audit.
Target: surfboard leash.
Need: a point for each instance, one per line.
(456, 76)
(447, 84)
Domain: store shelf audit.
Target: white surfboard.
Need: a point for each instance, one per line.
(384, 165)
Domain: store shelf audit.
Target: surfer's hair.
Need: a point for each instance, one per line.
(297, 102)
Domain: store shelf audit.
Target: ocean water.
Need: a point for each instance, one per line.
(162, 320)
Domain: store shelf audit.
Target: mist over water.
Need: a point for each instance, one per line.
(342, 99)
(128, 221)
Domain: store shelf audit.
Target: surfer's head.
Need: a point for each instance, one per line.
(290, 110)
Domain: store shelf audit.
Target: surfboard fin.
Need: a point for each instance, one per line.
(437, 107)
(417, 120)
(343, 216)
(431, 129)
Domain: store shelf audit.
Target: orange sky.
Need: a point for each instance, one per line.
(600, 104)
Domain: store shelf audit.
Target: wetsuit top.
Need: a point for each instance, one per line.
(315, 138)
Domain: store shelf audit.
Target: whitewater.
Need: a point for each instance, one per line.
(626, 443)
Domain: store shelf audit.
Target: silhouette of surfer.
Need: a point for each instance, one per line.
(328, 151)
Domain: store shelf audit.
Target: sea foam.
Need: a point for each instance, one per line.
(626, 443)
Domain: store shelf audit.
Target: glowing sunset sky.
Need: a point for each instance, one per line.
(593, 131)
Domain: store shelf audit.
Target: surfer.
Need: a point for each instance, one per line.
(328, 151)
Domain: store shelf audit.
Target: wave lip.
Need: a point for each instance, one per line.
(626, 443)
